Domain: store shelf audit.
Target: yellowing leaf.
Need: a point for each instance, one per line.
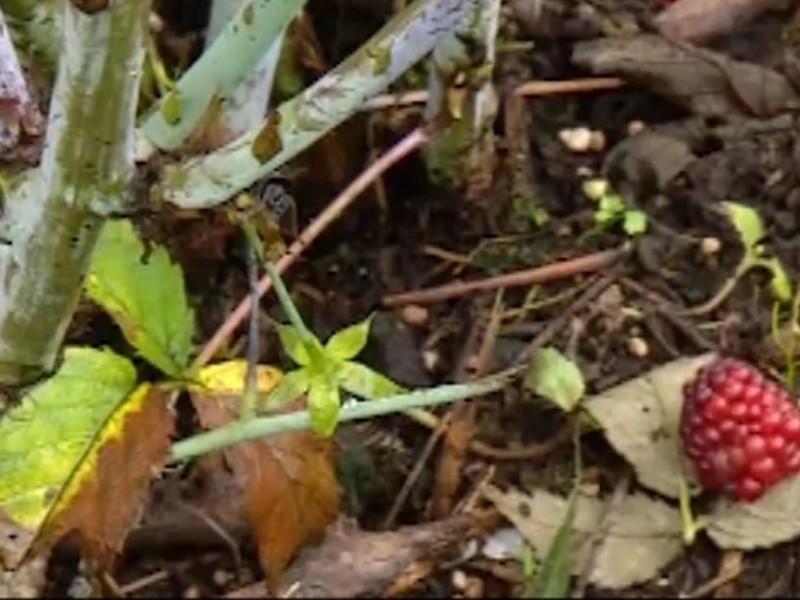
(55, 447)
(286, 482)
(144, 295)
(228, 377)
(106, 493)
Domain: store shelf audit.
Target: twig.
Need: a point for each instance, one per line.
(529, 88)
(559, 270)
(532, 452)
(414, 474)
(332, 212)
(139, 584)
(558, 324)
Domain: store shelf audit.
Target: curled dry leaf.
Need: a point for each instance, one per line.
(700, 20)
(646, 532)
(640, 419)
(707, 83)
(286, 482)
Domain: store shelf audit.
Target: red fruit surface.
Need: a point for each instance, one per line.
(740, 430)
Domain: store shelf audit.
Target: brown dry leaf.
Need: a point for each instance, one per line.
(352, 563)
(701, 20)
(636, 539)
(287, 482)
(103, 505)
(707, 83)
(640, 420)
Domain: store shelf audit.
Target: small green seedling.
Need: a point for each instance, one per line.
(324, 369)
(612, 209)
(750, 228)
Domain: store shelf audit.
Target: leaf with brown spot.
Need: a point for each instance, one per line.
(103, 505)
(287, 482)
(77, 454)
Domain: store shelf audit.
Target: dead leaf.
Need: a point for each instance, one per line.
(707, 83)
(352, 563)
(700, 20)
(642, 535)
(771, 520)
(640, 419)
(286, 482)
(103, 503)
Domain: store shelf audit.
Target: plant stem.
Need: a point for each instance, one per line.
(238, 49)
(252, 429)
(53, 214)
(289, 307)
(201, 182)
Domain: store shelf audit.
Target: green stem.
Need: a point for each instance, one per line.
(236, 51)
(202, 182)
(53, 214)
(243, 431)
(289, 307)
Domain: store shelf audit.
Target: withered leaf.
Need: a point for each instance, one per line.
(286, 482)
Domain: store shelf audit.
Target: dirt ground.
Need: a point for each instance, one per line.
(666, 152)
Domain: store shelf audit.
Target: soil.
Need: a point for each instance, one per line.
(411, 232)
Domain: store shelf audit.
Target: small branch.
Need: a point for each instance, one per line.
(238, 49)
(332, 212)
(567, 268)
(535, 88)
(238, 432)
(202, 182)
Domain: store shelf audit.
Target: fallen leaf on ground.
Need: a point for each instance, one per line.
(642, 535)
(640, 419)
(701, 20)
(78, 453)
(287, 482)
(706, 83)
(352, 563)
(771, 520)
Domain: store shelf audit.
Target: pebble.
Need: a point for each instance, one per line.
(578, 140)
(635, 127)
(638, 347)
(414, 315)
(710, 246)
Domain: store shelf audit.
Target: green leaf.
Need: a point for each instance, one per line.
(293, 344)
(747, 222)
(635, 222)
(553, 579)
(292, 385)
(145, 296)
(556, 378)
(347, 343)
(610, 210)
(46, 437)
(780, 284)
(324, 403)
(172, 107)
(362, 381)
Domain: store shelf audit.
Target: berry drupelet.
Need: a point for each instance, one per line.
(740, 430)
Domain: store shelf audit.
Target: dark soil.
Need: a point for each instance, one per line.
(384, 245)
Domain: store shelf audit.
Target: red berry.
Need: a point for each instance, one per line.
(740, 430)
